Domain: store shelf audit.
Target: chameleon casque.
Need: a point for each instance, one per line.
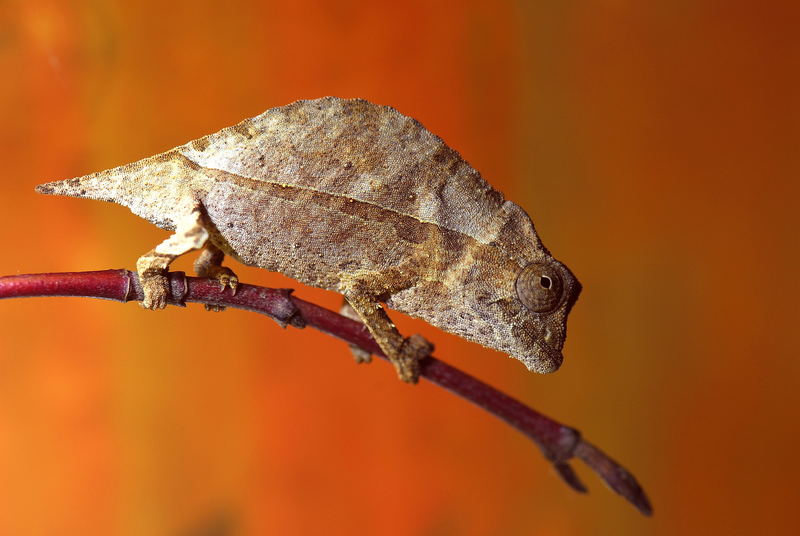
(357, 198)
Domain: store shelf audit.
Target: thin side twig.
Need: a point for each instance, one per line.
(559, 443)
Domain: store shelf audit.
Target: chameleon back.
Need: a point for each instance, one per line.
(374, 154)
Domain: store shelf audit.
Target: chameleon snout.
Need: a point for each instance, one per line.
(547, 358)
(539, 348)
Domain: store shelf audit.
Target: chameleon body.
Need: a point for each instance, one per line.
(357, 198)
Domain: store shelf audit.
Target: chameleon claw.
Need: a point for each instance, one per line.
(227, 278)
(233, 283)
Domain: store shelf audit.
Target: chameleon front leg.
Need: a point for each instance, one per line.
(152, 266)
(404, 353)
(209, 264)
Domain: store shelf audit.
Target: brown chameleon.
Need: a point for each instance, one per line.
(357, 198)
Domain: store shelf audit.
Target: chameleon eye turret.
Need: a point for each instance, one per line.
(540, 287)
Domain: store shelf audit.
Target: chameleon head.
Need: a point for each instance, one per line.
(547, 291)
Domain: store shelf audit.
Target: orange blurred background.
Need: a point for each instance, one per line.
(655, 145)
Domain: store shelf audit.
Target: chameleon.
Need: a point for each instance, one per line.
(360, 199)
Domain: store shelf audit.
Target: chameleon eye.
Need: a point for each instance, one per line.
(539, 287)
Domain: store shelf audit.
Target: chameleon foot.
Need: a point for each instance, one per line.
(413, 350)
(155, 287)
(226, 278)
(209, 264)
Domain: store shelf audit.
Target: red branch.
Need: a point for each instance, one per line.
(558, 443)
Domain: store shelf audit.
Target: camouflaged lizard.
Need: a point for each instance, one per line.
(357, 198)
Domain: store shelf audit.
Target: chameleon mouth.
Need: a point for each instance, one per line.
(540, 351)
(545, 360)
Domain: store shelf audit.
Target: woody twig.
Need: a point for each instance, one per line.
(559, 443)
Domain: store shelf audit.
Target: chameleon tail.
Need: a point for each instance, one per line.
(155, 188)
(130, 185)
(104, 185)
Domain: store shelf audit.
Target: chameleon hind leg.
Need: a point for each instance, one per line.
(190, 233)
(209, 264)
(404, 353)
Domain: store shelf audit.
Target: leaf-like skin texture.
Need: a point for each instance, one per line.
(358, 198)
